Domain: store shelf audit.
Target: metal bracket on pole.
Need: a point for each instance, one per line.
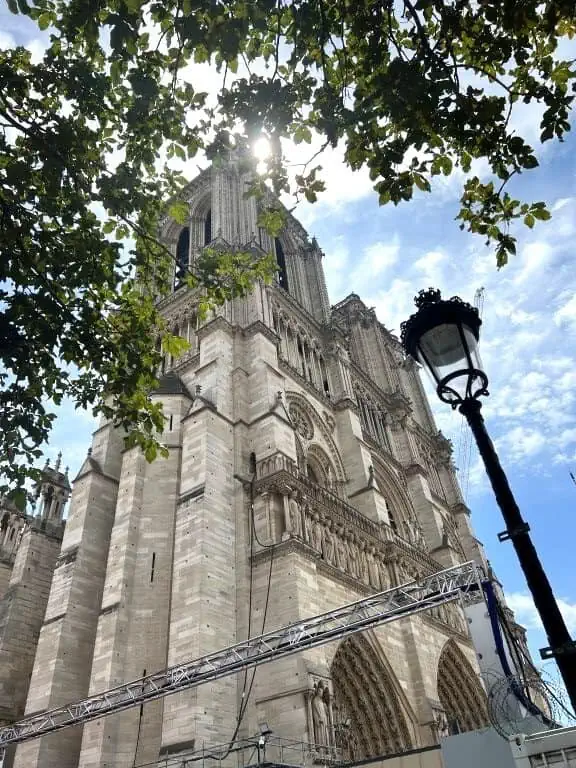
(568, 649)
(520, 530)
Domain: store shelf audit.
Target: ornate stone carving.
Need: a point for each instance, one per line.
(321, 720)
(302, 424)
(459, 690)
(295, 517)
(366, 702)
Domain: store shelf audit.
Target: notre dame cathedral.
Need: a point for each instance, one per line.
(305, 471)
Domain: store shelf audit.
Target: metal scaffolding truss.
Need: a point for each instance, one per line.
(406, 600)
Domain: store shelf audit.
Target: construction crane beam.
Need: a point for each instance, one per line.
(398, 602)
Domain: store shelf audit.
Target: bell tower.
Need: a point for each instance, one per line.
(304, 471)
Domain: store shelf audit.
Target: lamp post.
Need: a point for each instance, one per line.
(443, 337)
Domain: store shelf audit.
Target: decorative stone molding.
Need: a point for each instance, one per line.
(459, 691)
(301, 421)
(368, 700)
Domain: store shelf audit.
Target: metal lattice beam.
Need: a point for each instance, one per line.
(392, 604)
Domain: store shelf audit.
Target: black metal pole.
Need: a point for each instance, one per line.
(562, 647)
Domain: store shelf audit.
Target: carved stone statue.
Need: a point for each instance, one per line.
(363, 563)
(329, 544)
(352, 555)
(295, 518)
(317, 532)
(442, 728)
(373, 574)
(384, 578)
(341, 553)
(320, 716)
(308, 525)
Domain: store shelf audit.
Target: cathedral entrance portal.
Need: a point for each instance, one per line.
(368, 716)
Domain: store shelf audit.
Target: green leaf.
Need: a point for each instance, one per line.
(44, 21)
(542, 214)
(180, 212)
(529, 220)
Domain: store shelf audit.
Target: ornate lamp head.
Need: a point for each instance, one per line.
(443, 337)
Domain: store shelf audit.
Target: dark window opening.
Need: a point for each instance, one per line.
(208, 227)
(393, 523)
(152, 571)
(12, 532)
(182, 257)
(311, 474)
(326, 386)
(171, 421)
(281, 262)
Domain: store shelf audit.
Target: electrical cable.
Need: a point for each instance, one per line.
(138, 734)
(247, 689)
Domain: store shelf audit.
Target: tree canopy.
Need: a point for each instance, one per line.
(411, 89)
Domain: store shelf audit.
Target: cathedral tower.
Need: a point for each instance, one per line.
(304, 471)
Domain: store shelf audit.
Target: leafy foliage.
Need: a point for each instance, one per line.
(412, 89)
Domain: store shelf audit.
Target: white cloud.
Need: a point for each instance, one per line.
(566, 315)
(7, 40)
(520, 443)
(380, 256)
(526, 614)
(533, 258)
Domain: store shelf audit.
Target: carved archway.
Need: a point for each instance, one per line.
(403, 518)
(321, 430)
(460, 692)
(319, 467)
(368, 701)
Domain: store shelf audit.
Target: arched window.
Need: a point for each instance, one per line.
(182, 256)
(281, 262)
(208, 227)
(311, 474)
(392, 518)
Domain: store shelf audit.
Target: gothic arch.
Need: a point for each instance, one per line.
(322, 468)
(397, 499)
(322, 430)
(368, 697)
(459, 691)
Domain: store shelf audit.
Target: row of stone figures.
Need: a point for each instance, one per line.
(336, 545)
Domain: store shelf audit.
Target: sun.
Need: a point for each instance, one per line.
(262, 149)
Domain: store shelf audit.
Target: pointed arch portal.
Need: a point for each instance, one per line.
(367, 700)
(459, 690)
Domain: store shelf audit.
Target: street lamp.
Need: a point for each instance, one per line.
(443, 337)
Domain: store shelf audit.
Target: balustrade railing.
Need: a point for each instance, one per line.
(331, 498)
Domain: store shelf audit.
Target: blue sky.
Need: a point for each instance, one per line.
(528, 337)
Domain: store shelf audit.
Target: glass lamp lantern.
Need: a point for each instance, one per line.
(443, 337)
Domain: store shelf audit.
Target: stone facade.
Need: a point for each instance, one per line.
(305, 471)
(29, 548)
